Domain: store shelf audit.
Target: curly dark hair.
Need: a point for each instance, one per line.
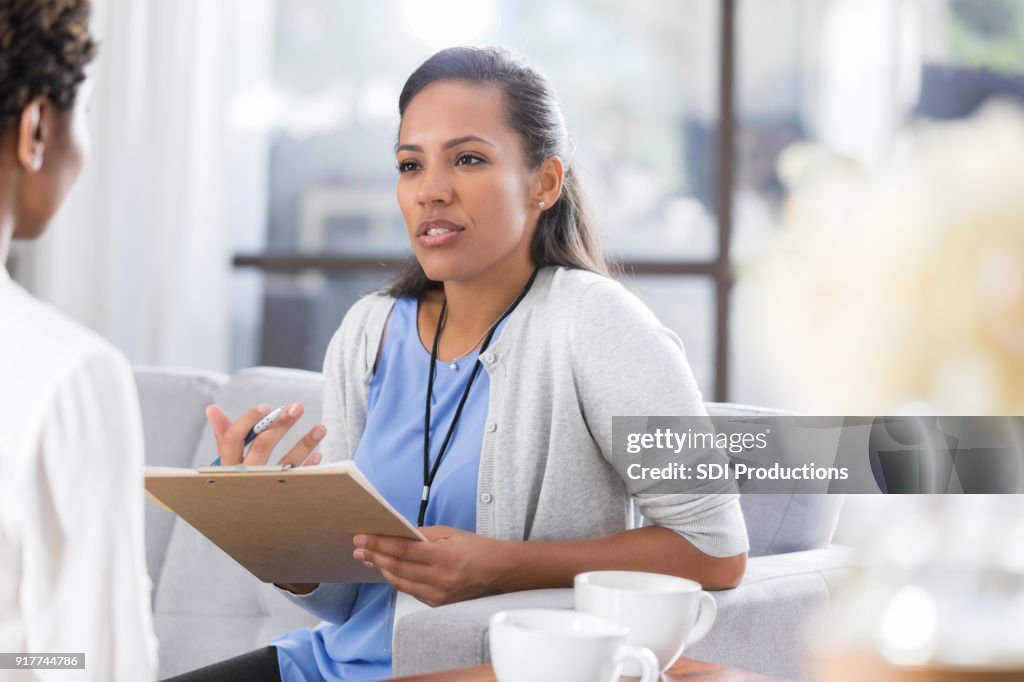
(44, 48)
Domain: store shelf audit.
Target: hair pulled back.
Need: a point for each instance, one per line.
(565, 233)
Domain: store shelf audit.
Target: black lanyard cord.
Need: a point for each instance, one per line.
(429, 473)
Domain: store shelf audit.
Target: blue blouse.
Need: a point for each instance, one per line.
(390, 454)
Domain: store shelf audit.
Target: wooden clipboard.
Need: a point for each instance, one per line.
(283, 525)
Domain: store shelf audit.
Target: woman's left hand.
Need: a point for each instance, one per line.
(453, 565)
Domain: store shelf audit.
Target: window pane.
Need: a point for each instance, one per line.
(637, 82)
(686, 305)
(970, 51)
(637, 86)
(847, 76)
(301, 314)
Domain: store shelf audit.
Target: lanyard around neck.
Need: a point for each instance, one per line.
(430, 472)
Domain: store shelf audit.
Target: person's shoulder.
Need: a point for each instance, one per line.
(42, 350)
(575, 289)
(369, 305)
(596, 307)
(566, 281)
(46, 333)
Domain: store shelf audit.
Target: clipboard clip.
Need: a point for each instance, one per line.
(242, 468)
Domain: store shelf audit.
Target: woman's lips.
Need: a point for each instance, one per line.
(440, 238)
(438, 232)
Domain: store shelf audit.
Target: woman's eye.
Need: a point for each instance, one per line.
(468, 160)
(406, 166)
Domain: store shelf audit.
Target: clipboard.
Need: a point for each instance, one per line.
(283, 525)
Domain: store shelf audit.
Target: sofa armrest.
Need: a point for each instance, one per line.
(763, 625)
(759, 624)
(455, 635)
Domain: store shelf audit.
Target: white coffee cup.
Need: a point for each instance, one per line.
(550, 645)
(663, 613)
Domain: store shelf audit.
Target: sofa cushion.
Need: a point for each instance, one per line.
(172, 402)
(786, 522)
(208, 607)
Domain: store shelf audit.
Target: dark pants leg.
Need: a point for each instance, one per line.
(255, 666)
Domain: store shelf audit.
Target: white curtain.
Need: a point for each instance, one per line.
(141, 251)
(868, 69)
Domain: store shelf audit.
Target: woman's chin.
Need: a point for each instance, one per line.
(442, 269)
(440, 274)
(32, 229)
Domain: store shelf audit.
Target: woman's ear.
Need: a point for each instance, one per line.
(548, 183)
(33, 134)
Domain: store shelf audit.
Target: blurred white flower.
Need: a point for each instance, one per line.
(904, 282)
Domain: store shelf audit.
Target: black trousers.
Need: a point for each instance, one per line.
(255, 666)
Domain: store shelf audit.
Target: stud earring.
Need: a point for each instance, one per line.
(540, 204)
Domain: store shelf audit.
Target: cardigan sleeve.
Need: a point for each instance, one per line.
(628, 364)
(336, 446)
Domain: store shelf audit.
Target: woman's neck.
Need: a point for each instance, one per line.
(7, 203)
(6, 234)
(475, 305)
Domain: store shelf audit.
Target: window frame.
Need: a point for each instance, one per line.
(718, 269)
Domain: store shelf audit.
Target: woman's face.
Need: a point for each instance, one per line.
(463, 186)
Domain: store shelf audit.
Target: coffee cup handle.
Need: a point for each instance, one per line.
(705, 618)
(649, 670)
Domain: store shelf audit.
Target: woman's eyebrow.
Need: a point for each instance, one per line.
(447, 145)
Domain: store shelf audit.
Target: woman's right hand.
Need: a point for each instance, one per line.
(231, 437)
(231, 447)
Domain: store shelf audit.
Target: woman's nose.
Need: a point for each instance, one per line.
(434, 188)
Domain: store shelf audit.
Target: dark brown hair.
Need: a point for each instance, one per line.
(44, 48)
(565, 234)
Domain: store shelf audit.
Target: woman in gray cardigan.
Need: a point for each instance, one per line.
(498, 359)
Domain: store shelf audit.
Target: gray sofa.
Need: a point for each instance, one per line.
(208, 608)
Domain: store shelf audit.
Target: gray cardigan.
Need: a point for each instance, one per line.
(577, 351)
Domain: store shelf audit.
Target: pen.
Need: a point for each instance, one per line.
(261, 426)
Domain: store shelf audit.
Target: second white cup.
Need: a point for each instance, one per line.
(663, 613)
(549, 645)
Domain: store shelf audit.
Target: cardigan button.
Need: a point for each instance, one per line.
(489, 357)
(492, 427)
(486, 498)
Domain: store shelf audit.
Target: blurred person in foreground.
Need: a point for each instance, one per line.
(72, 561)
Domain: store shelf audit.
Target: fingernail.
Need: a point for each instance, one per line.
(263, 408)
(294, 410)
(359, 540)
(318, 432)
(316, 458)
(358, 555)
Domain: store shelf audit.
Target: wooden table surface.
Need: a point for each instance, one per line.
(684, 670)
